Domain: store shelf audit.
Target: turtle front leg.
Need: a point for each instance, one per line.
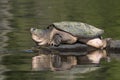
(57, 39)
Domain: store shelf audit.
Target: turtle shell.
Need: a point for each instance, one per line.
(79, 29)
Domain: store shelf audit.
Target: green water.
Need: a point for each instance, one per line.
(104, 14)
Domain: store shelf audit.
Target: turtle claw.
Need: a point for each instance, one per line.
(56, 40)
(54, 44)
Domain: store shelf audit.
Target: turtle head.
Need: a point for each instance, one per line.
(38, 35)
(36, 31)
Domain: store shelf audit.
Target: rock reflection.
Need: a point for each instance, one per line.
(65, 62)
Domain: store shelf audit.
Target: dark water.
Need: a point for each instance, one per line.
(18, 16)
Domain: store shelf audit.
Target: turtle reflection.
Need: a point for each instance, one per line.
(65, 62)
(92, 57)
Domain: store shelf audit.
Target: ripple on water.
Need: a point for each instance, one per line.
(4, 30)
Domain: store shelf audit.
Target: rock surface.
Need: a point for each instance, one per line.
(76, 48)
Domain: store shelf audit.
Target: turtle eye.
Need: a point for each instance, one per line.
(50, 26)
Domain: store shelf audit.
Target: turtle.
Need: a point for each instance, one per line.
(68, 32)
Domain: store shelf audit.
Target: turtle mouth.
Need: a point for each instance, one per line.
(39, 40)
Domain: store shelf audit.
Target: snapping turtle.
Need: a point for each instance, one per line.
(65, 32)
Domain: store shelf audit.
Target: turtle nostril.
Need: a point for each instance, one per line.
(32, 29)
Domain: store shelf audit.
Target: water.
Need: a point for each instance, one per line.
(18, 16)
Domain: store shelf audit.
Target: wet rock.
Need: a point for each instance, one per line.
(115, 44)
